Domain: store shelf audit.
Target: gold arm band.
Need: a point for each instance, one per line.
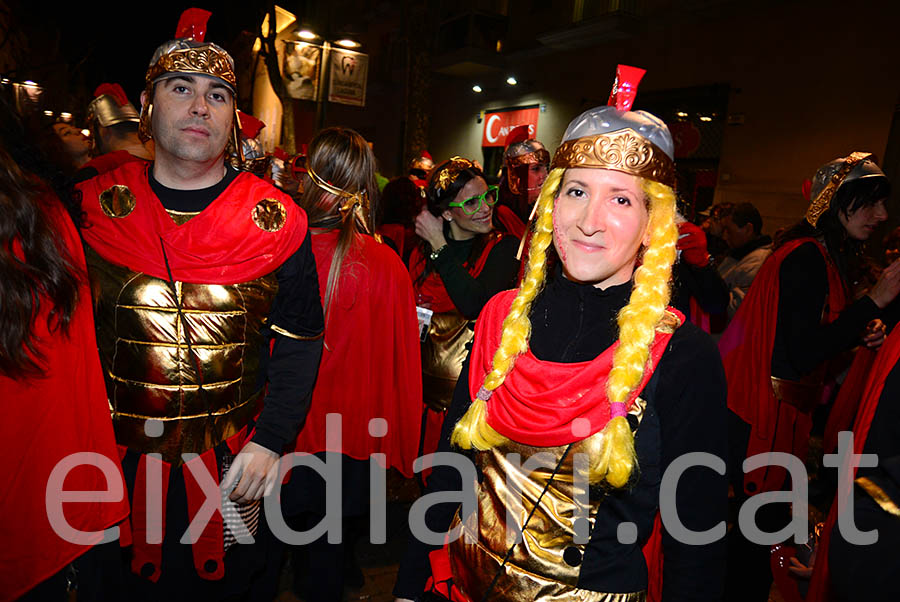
(297, 337)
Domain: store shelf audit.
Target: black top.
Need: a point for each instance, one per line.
(290, 371)
(685, 413)
(469, 294)
(703, 284)
(802, 342)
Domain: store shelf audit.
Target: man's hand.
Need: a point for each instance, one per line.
(255, 469)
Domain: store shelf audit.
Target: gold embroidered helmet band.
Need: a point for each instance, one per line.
(832, 175)
(355, 204)
(633, 142)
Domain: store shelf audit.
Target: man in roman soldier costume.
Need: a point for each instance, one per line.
(573, 401)
(419, 168)
(114, 123)
(790, 336)
(525, 165)
(209, 325)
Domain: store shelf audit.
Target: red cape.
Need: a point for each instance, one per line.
(221, 245)
(746, 348)
(432, 287)
(882, 365)
(510, 221)
(44, 421)
(538, 401)
(371, 365)
(111, 161)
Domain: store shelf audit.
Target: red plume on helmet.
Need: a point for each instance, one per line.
(625, 87)
(192, 24)
(517, 134)
(250, 125)
(113, 90)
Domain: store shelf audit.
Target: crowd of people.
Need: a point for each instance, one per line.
(210, 356)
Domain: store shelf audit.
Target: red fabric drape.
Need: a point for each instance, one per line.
(539, 401)
(45, 420)
(111, 161)
(371, 364)
(221, 245)
(746, 348)
(843, 413)
(882, 365)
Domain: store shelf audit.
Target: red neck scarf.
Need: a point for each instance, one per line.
(539, 402)
(746, 348)
(221, 245)
(433, 287)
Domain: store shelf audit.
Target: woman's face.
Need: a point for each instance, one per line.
(73, 140)
(861, 223)
(462, 226)
(599, 224)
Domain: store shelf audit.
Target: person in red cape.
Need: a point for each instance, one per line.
(370, 373)
(779, 349)
(575, 399)
(459, 263)
(113, 122)
(401, 202)
(209, 326)
(53, 398)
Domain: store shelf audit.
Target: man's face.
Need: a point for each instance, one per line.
(192, 117)
(736, 236)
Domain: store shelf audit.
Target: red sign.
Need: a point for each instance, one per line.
(499, 124)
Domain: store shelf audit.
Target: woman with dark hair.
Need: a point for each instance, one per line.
(53, 399)
(781, 349)
(460, 263)
(370, 371)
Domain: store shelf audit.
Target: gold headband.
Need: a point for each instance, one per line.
(448, 174)
(822, 202)
(355, 203)
(622, 150)
(204, 60)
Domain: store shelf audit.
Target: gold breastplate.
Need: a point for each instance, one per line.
(443, 353)
(537, 567)
(149, 372)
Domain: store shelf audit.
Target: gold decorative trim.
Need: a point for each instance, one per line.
(879, 495)
(205, 60)
(291, 335)
(622, 150)
(140, 383)
(117, 201)
(179, 345)
(449, 173)
(269, 215)
(821, 203)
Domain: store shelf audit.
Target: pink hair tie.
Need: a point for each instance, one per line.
(483, 394)
(618, 409)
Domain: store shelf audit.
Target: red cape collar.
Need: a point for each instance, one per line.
(542, 403)
(247, 232)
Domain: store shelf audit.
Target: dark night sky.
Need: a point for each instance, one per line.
(111, 41)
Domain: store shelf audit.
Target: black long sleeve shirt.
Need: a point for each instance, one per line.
(470, 294)
(802, 342)
(685, 413)
(290, 370)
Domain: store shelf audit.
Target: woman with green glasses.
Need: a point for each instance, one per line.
(460, 263)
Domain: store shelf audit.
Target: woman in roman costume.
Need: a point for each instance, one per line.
(584, 372)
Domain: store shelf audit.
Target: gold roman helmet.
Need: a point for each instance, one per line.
(188, 53)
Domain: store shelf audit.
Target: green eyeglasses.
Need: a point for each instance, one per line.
(472, 205)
